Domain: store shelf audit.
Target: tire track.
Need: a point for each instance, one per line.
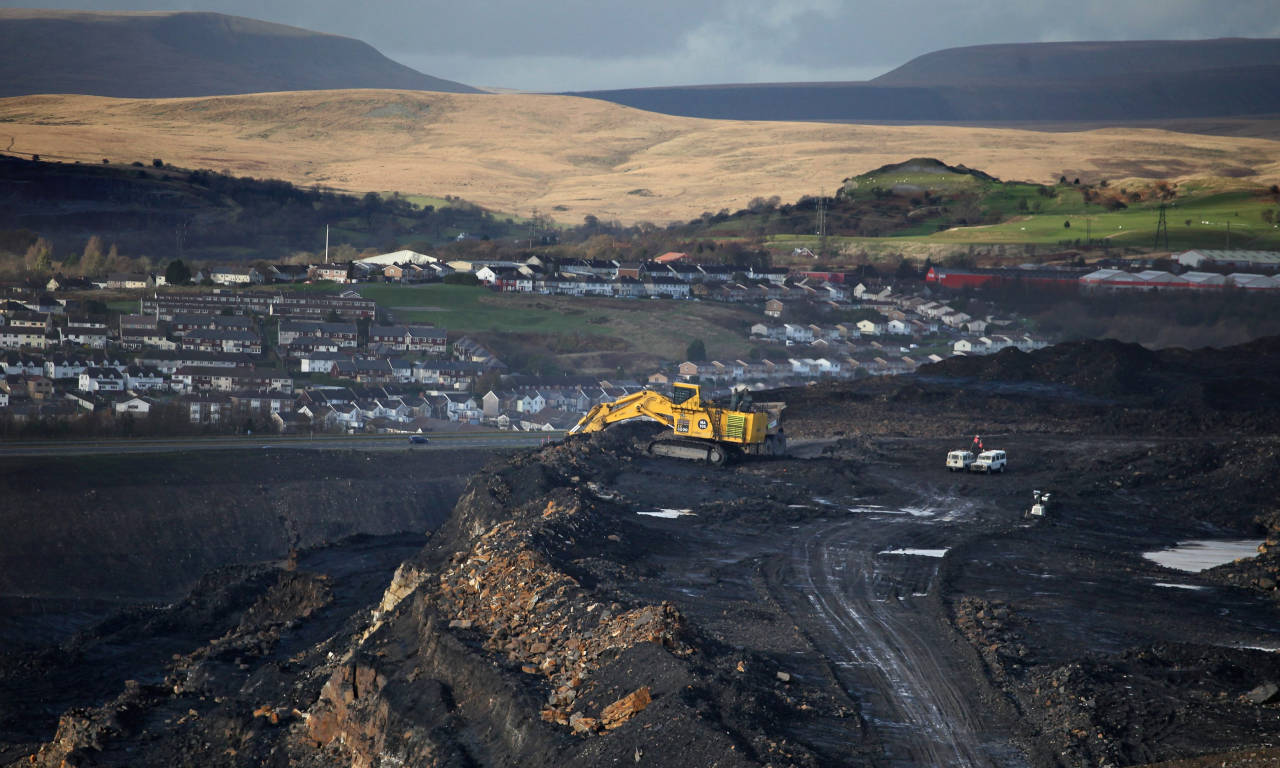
(864, 612)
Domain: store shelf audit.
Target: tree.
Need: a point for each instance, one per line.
(177, 273)
(696, 351)
(39, 257)
(91, 259)
(157, 162)
(1066, 224)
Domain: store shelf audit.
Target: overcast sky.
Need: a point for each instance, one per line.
(587, 44)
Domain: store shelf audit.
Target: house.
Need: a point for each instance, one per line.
(250, 404)
(17, 337)
(60, 282)
(146, 338)
(207, 407)
(797, 334)
(128, 281)
(897, 328)
(137, 377)
(133, 404)
(968, 346)
(531, 403)
(775, 275)
(91, 336)
(343, 334)
(95, 379)
(235, 275)
(60, 367)
(773, 308)
(870, 328)
(222, 340)
(338, 273)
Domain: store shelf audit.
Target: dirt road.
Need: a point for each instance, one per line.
(859, 589)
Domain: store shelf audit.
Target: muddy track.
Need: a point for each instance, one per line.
(867, 611)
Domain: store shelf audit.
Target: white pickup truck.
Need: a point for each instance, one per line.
(988, 462)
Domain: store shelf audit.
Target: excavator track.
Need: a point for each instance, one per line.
(691, 450)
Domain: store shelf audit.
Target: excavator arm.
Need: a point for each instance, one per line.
(643, 404)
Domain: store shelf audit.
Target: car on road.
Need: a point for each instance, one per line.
(418, 440)
(988, 462)
(958, 461)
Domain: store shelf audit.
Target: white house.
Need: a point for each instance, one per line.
(101, 380)
(797, 334)
(897, 328)
(969, 347)
(140, 406)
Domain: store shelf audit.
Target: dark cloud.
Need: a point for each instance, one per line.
(583, 44)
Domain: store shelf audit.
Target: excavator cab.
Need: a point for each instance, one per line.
(682, 394)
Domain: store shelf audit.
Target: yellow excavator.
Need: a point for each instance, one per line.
(700, 430)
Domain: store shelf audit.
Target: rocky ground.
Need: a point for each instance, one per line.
(851, 604)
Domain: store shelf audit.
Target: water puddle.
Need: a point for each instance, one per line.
(1166, 585)
(668, 514)
(916, 552)
(1196, 556)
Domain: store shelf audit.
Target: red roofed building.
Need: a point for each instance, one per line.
(671, 256)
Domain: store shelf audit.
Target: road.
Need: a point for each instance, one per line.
(864, 605)
(442, 442)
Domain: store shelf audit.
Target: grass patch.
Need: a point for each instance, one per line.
(643, 331)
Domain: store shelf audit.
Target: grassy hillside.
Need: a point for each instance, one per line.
(569, 157)
(185, 54)
(560, 334)
(924, 204)
(165, 212)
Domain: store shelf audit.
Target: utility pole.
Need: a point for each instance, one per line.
(326, 243)
(822, 225)
(1228, 235)
(1162, 230)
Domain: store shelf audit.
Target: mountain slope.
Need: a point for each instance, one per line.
(156, 55)
(1059, 82)
(571, 157)
(1045, 63)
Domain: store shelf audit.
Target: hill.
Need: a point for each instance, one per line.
(569, 157)
(1096, 81)
(166, 212)
(156, 55)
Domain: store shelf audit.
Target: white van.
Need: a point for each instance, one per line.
(958, 461)
(989, 461)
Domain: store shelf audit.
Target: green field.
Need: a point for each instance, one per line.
(572, 334)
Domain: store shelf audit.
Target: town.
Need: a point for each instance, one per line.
(256, 353)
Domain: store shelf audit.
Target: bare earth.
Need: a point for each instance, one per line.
(568, 156)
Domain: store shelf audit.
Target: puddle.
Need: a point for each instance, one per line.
(1180, 586)
(916, 552)
(1196, 556)
(668, 514)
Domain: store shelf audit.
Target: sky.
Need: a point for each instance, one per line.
(569, 45)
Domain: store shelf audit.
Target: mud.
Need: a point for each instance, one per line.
(852, 604)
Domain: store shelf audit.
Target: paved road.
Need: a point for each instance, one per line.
(863, 606)
(443, 442)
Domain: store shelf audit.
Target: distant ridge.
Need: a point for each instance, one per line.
(161, 54)
(1047, 82)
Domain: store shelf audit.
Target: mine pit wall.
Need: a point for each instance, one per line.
(100, 531)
